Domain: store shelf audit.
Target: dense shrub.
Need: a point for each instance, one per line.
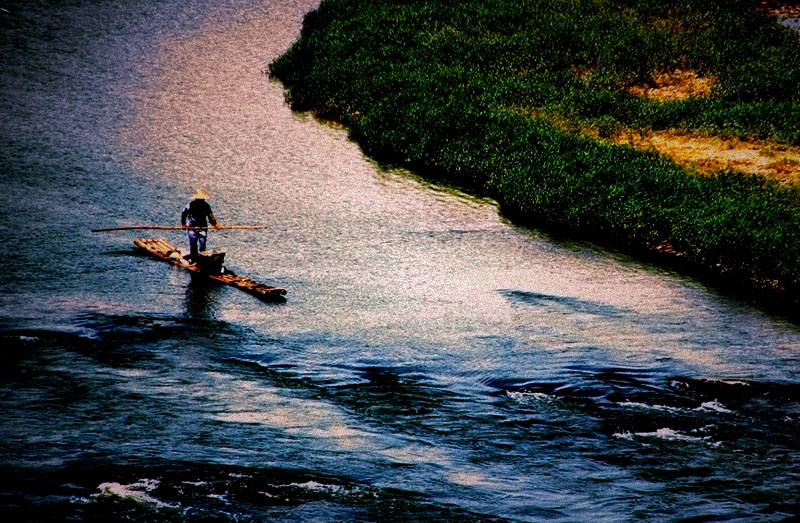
(445, 88)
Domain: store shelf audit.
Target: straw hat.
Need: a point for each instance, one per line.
(200, 194)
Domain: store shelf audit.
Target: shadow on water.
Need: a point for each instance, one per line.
(404, 399)
(574, 305)
(122, 340)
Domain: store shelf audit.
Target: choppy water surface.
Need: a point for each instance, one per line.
(431, 363)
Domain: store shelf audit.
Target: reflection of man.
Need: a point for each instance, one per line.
(194, 215)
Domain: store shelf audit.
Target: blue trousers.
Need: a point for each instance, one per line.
(197, 242)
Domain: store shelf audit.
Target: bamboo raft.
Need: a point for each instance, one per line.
(210, 266)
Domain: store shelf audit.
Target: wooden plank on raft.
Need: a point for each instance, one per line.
(163, 249)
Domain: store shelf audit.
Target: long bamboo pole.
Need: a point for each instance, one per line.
(180, 227)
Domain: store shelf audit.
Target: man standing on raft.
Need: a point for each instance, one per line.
(194, 215)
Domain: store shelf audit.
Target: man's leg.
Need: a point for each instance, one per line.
(193, 245)
(201, 240)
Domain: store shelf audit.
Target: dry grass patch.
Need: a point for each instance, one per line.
(679, 84)
(697, 152)
(708, 154)
(779, 9)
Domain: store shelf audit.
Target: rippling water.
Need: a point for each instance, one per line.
(432, 362)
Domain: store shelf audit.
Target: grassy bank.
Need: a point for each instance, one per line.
(468, 92)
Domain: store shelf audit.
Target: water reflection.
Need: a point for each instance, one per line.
(202, 298)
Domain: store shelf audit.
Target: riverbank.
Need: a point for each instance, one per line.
(497, 98)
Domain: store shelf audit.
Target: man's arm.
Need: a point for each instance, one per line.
(183, 215)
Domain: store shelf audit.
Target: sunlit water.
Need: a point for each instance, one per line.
(432, 362)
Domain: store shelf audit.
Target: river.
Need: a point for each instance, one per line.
(432, 362)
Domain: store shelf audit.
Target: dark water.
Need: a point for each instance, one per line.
(432, 363)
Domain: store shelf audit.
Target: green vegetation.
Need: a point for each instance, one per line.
(447, 89)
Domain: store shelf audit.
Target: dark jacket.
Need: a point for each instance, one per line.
(196, 212)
